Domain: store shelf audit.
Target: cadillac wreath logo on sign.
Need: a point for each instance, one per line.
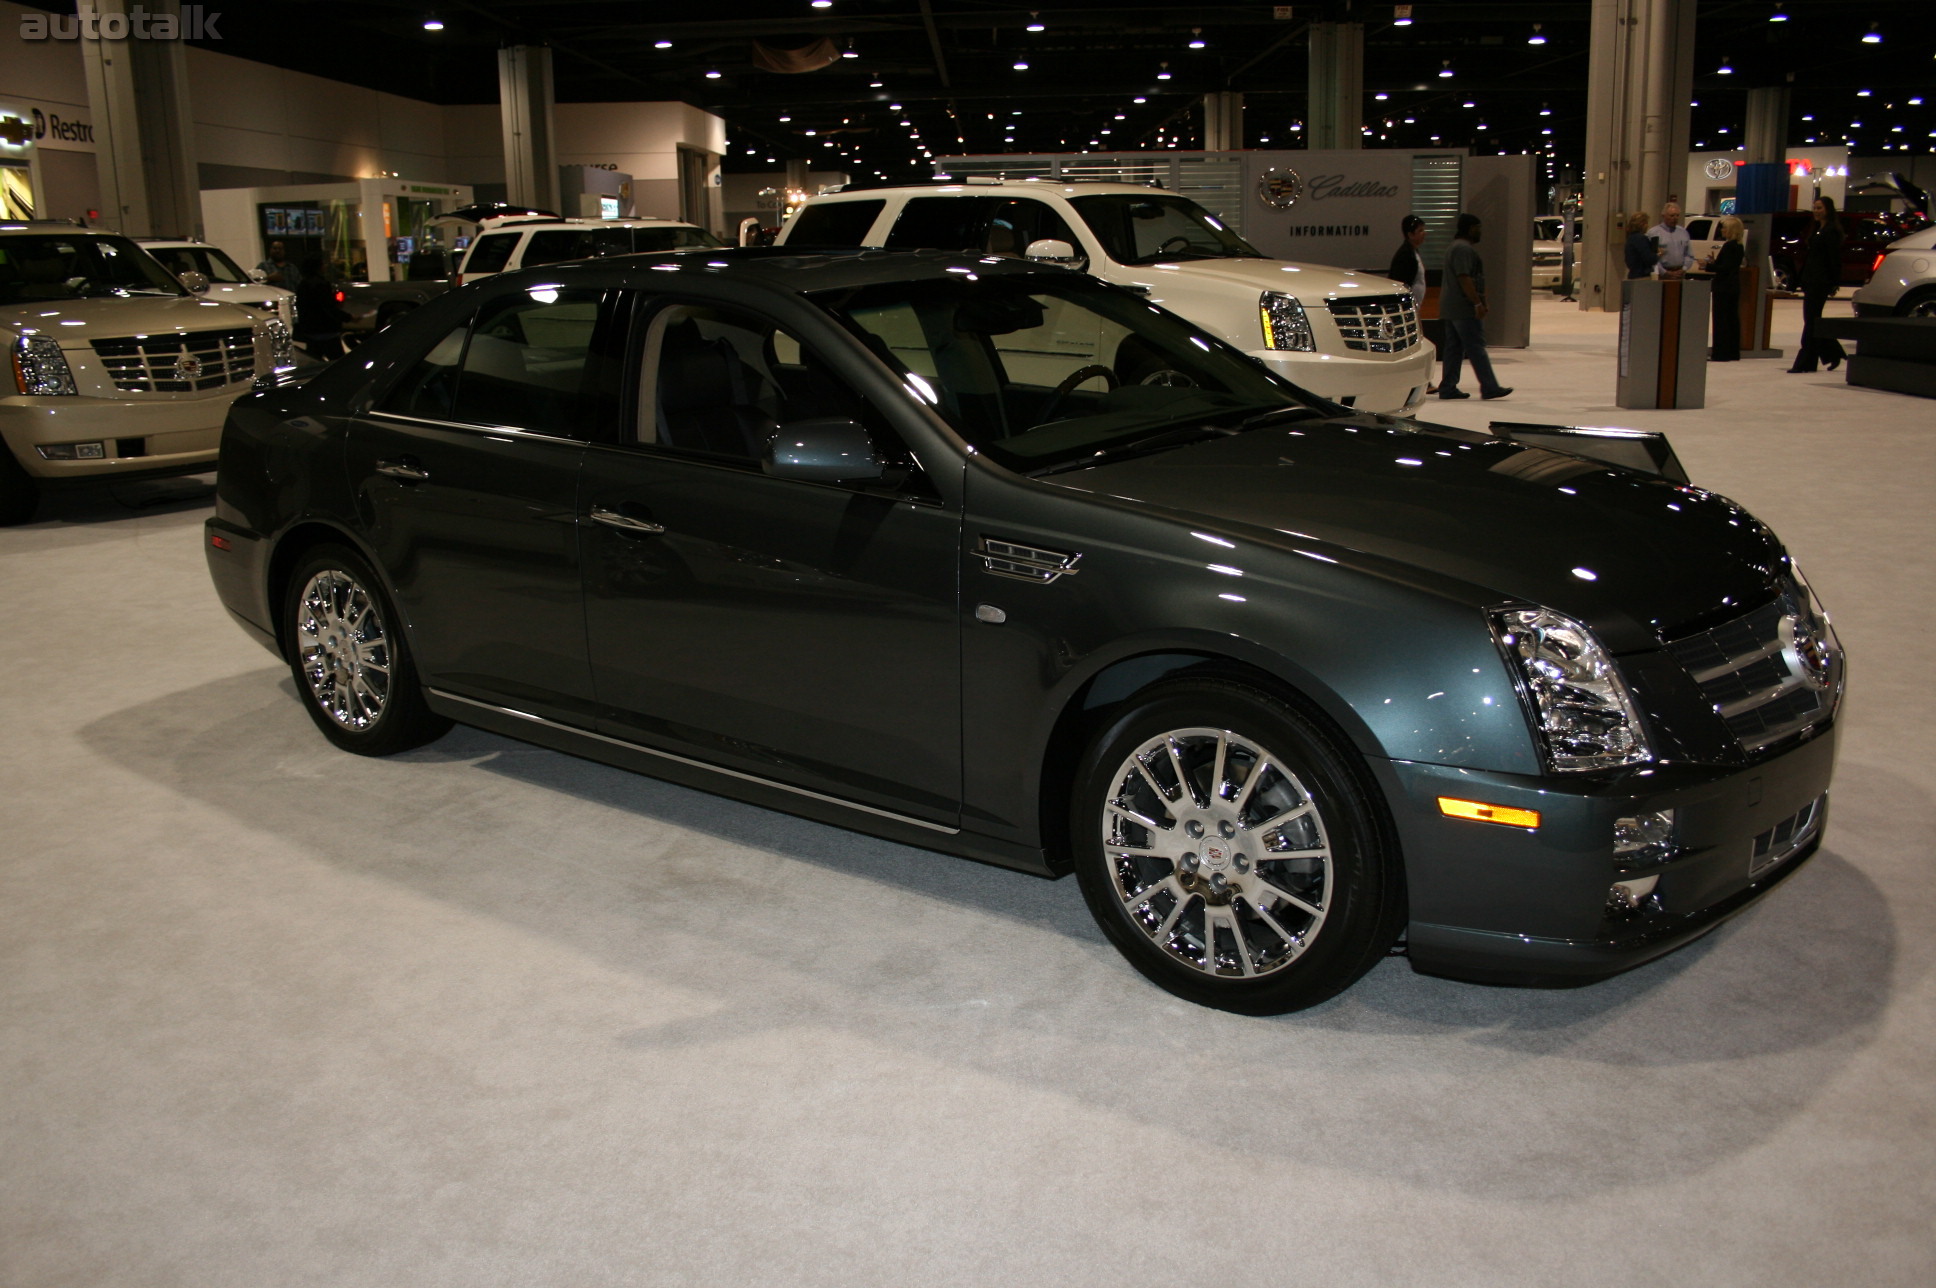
(1280, 189)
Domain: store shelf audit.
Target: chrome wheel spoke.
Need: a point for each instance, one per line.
(1219, 880)
(341, 650)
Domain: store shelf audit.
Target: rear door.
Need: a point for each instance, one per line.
(467, 476)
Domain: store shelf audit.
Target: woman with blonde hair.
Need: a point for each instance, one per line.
(1641, 255)
(1726, 267)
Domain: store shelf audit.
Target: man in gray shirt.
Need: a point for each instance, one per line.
(1672, 241)
(1462, 307)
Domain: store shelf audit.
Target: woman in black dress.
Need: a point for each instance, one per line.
(1821, 275)
(1726, 268)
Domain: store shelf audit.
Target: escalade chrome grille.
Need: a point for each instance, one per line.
(188, 362)
(1377, 324)
(1770, 674)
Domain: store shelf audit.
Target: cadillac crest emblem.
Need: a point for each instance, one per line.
(1280, 189)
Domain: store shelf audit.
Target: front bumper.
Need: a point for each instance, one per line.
(1508, 905)
(1393, 385)
(137, 435)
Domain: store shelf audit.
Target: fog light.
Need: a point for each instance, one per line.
(1643, 838)
(71, 451)
(1627, 896)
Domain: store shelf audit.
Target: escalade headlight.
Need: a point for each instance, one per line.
(280, 344)
(1285, 325)
(39, 367)
(1583, 713)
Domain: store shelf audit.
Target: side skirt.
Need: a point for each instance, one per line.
(689, 772)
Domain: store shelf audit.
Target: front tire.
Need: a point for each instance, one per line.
(1226, 847)
(352, 665)
(19, 494)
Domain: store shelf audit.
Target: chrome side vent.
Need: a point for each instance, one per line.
(1025, 563)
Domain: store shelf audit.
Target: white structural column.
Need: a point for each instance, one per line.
(144, 136)
(1337, 86)
(530, 140)
(1223, 121)
(1766, 132)
(1639, 84)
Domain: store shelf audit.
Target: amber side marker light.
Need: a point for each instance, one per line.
(1480, 812)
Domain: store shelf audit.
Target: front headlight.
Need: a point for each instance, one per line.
(1584, 715)
(280, 344)
(1285, 325)
(39, 367)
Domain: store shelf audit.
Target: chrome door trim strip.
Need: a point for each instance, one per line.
(474, 429)
(697, 764)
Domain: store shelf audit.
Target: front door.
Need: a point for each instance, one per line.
(801, 632)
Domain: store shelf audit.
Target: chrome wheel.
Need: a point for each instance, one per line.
(1217, 852)
(342, 649)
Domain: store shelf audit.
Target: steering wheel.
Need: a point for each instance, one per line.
(1178, 242)
(1168, 377)
(1068, 386)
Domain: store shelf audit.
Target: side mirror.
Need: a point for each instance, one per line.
(257, 275)
(194, 282)
(823, 449)
(1050, 250)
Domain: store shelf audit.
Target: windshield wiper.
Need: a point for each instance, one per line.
(1157, 442)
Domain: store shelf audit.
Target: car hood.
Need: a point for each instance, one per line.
(1639, 558)
(1305, 281)
(78, 323)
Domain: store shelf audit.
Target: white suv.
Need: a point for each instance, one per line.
(223, 279)
(1350, 337)
(1904, 281)
(116, 369)
(507, 244)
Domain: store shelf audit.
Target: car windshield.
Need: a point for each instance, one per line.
(59, 266)
(1153, 229)
(678, 238)
(206, 260)
(1046, 371)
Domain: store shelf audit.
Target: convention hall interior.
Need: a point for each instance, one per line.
(536, 1000)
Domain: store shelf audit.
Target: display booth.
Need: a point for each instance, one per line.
(366, 230)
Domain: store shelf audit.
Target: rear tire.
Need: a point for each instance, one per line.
(19, 493)
(1918, 304)
(1227, 848)
(352, 664)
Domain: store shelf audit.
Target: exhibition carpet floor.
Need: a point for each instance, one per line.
(488, 1015)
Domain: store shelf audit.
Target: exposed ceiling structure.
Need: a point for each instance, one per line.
(899, 80)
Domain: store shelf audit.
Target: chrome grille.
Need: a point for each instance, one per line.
(1377, 324)
(184, 363)
(1786, 837)
(1769, 674)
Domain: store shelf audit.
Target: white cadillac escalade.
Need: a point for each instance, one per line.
(1350, 337)
(114, 369)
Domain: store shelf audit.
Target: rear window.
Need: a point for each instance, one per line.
(491, 253)
(834, 223)
(943, 223)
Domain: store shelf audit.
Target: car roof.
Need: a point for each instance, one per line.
(44, 226)
(534, 223)
(988, 187)
(779, 267)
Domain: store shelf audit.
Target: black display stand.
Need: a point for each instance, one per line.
(1898, 354)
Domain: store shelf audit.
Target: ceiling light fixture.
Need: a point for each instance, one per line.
(1724, 69)
(662, 44)
(1873, 37)
(1777, 15)
(1401, 15)
(1536, 38)
(1165, 73)
(1035, 22)
(712, 75)
(1021, 67)
(1196, 38)
(433, 23)
(1445, 70)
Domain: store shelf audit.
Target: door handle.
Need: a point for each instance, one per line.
(624, 522)
(405, 469)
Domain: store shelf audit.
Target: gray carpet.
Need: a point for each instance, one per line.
(489, 1015)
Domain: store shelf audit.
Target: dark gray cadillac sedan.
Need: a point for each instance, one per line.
(1000, 560)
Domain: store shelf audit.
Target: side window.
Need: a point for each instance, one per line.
(721, 383)
(834, 223)
(555, 247)
(1697, 229)
(429, 388)
(490, 254)
(542, 361)
(1014, 225)
(943, 223)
